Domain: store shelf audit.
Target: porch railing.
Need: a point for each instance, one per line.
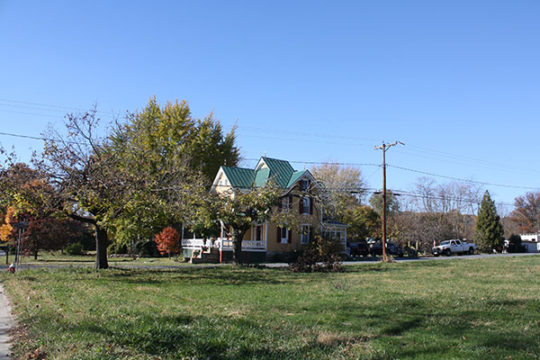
(221, 243)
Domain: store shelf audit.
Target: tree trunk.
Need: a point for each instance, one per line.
(101, 248)
(237, 248)
(35, 254)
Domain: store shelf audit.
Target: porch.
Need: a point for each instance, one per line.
(220, 250)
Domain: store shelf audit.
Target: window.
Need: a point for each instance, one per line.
(305, 205)
(305, 234)
(258, 232)
(284, 235)
(285, 203)
(304, 185)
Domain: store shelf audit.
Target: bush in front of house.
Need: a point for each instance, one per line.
(321, 255)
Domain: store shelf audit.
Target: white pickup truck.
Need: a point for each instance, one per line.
(455, 246)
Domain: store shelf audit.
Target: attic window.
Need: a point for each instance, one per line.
(304, 185)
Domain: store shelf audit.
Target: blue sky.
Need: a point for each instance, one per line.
(457, 81)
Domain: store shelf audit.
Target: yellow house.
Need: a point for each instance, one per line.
(267, 241)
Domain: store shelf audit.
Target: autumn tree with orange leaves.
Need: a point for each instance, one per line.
(167, 241)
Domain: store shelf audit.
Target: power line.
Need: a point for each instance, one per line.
(39, 138)
(44, 107)
(464, 180)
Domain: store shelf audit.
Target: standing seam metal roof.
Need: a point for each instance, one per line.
(280, 170)
(239, 177)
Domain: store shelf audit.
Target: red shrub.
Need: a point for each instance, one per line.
(167, 241)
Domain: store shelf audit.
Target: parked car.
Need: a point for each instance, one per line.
(375, 248)
(359, 248)
(454, 246)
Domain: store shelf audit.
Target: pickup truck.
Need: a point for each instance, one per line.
(449, 247)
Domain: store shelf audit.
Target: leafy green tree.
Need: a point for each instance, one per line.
(392, 203)
(143, 176)
(489, 230)
(364, 222)
(175, 157)
(239, 210)
(170, 131)
(514, 244)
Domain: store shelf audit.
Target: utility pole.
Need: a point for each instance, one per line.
(384, 147)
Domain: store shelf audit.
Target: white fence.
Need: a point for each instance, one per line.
(221, 243)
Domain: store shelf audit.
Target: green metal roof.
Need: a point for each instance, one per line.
(239, 177)
(261, 176)
(295, 176)
(280, 171)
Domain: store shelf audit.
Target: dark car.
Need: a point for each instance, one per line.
(375, 248)
(359, 248)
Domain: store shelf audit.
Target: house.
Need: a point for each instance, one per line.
(267, 241)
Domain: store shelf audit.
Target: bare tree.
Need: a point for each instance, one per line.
(526, 212)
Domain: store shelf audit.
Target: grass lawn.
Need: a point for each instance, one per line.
(455, 309)
(56, 258)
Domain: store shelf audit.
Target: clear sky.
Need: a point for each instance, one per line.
(457, 81)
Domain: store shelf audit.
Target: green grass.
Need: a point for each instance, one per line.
(57, 258)
(454, 309)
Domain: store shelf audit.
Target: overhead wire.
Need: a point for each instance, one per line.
(455, 178)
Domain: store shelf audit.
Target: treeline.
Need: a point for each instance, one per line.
(429, 213)
(127, 182)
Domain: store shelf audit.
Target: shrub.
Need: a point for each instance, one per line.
(321, 255)
(514, 244)
(75, 249)
(167, 241)
(146, 248)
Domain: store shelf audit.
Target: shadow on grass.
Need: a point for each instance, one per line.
(223, 276)
(201, 338)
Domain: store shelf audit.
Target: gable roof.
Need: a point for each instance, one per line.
(239, 177)
(295, 176)
(280, 171)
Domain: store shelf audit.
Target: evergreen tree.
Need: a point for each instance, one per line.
(489, 230)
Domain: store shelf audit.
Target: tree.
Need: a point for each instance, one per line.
(422, 228)
(8, 232)
(514, 244)
(364, 222)
(345, 187)
(489, 230)
(49, 233)
(167, 241)
(131, 182)
(392, 203)
(239, 210)
(86, 181)
(526, 212)
(174, 158)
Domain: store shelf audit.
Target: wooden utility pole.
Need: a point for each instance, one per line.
(384, 147)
